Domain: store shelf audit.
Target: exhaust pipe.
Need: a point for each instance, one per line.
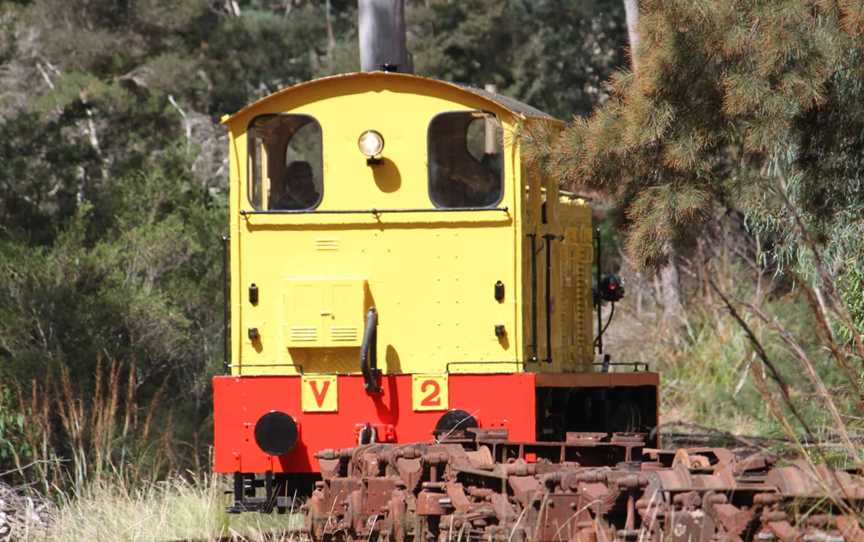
(381, 26)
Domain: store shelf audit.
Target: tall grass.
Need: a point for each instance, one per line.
(187, 507)
(111, 467)
(74, 435)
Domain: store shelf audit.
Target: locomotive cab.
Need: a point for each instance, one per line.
(397, 270)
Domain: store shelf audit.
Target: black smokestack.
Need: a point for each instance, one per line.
(382, 36)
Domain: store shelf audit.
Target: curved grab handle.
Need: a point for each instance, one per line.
(369, 353)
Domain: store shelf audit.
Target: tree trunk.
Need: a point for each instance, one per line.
(382, 35)
(631, 7)
(232, 7)
(670, 289)
(331, 39)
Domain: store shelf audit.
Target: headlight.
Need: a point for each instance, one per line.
(371, 143)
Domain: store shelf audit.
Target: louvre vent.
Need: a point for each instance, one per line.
(326, 244)
(343, 334)
(304, 334)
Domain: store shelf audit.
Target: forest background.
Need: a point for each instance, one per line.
(724, 156)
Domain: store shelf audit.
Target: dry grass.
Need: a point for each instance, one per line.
(76, 434)
(179, 508)
(110, 464)
(702, 357)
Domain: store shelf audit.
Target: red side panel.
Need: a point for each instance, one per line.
(505, 400)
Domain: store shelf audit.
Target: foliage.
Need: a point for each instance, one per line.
(122, 279)
(12, 426)
(749, 111)
(248, 55)
(728, 110)
(554, 55)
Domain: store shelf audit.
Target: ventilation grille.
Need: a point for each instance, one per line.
(304, 334)
(343, 334)
(327, 244)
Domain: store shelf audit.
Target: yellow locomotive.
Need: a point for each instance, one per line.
(398, 272)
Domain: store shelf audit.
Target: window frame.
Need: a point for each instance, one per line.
(502, 178)
(250, 144)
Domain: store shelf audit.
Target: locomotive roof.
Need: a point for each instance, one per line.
(511, 105)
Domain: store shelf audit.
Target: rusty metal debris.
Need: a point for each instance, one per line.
(590, 488)
(22, 516)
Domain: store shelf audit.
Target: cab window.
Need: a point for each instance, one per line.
(465, 160)
(285, 163)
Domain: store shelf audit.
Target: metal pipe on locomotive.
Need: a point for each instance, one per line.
(412, 339)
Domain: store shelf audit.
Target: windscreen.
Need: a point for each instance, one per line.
(465, 160)
(286, 165)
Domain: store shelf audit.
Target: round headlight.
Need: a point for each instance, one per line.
(371, 143)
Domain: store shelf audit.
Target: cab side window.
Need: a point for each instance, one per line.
(465, 160)
(286, 164)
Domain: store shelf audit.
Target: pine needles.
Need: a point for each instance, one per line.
(721, 88)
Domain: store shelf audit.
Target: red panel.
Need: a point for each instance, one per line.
(505, 400)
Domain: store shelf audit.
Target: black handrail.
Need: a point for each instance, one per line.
(598, 256)
(373, 211)
(369, 353)
(638, 366)
(533, 345)
(549, 237)
(226, 345)
(241, 366)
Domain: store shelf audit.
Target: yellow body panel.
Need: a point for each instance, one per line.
(377, 240)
